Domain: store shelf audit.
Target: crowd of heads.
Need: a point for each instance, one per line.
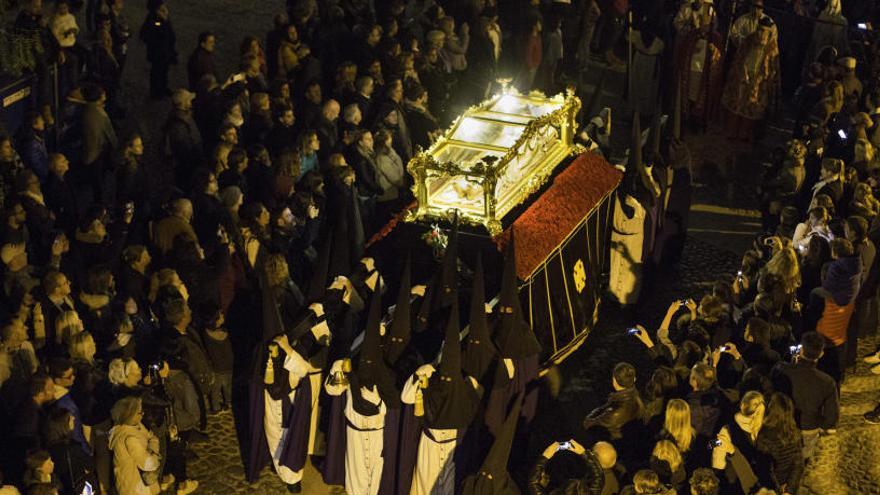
(132, 270)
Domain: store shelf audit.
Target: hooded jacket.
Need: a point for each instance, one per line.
(134, 449)
(843, 279)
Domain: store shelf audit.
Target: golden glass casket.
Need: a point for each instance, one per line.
(493, 157)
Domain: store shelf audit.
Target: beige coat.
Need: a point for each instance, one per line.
(135, 449)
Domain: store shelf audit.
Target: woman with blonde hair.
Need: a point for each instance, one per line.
(864, 203)
(136, 453)
(667, 462)
(735, 449)
(785, 264)
(677, 425)
(67, 325)
(124, 373)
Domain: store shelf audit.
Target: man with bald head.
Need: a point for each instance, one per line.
(327, 127)
(174, 225)
(607, 456)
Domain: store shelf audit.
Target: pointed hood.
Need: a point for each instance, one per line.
(401, 326)
(371, 369)
(514, 338)
(493, 477)
(450, 359)
(357, 236)
(449, 273)
(450, 399)
(340, 260)
(676, 115)
(320, 275)
(370, 352)
(656, 129)
(479, 351)
(635, 148)
(423, 317)
(508, 302)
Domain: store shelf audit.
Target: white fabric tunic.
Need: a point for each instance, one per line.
(435, 468)
(275, 430)
(364, 438)
(627, 237)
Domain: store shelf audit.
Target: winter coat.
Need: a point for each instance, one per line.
(135, 449)
(621, 408)
(99, 137)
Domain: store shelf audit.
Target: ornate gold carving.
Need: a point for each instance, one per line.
(536, 142)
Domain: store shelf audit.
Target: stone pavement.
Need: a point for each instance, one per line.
(219, 467)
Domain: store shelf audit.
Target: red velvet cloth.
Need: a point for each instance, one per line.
(546, 223)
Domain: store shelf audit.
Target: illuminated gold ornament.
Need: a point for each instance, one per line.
(579, 274)
(494, 156)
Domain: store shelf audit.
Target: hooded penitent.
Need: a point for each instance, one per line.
(514, 338)
(449, 273)
(341, 259)
(371, 369)
(319, 281)
(676, 116)
(399, 331)
(450, 399)
(493, 477)
(479, 351)
(654, 154)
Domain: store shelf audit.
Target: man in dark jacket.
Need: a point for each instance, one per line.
(59, 193)
(623, 405)
(22, 434)
(705, 400)
(202, 61)
(158, 34)
(327, 127)
(99, 139)
(177, 334)
(283, 135)
(591, 484)
(183, 141)
(814, 393)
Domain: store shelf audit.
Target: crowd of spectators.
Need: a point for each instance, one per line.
(139, 299)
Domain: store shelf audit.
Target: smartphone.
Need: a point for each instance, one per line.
(87, 489)
(717, 443)
(565, 445)
(841, 133)
(683, 302)
(724, 348)
(794, 349)
(633, 331)
(862, 26)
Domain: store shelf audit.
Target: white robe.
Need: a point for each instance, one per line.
(363, 449)
(627, 237)
(435, 469)
(275, 431)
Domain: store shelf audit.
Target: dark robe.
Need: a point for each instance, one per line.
(258, 454)
(503, 395)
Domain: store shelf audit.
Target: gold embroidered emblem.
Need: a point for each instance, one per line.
(579, 274)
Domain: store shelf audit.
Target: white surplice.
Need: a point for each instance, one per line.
(435, 469)
(364, 437)
(275, 430)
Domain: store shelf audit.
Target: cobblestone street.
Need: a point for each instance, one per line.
(722, 223)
